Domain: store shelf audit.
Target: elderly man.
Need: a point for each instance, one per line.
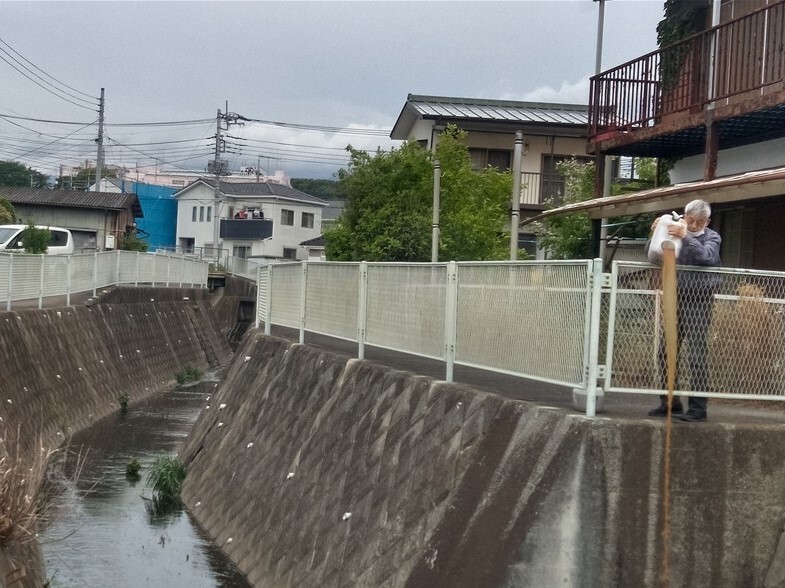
(700, 246)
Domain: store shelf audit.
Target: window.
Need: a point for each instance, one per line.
(289, 253)
(178, 182)
(193, 215)
(482, 158)
(201, 214)
(287, 217)
(209, 214)
(307, 222)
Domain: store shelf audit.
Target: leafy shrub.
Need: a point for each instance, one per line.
(123, 399)
(132, 470)
(189, 374)
(36, 240)
(165, 478)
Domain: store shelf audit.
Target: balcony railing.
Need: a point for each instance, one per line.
(537, 188)
(725, 65)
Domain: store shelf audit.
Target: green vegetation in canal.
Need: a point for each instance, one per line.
(123, 399)
(165, 477)
(189, 374)
(132, 470)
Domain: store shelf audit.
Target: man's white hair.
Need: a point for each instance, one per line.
(699, 208)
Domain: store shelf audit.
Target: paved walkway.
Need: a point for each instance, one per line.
(623, 406)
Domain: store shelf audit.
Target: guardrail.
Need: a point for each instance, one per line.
(560, 322)
(25, 277)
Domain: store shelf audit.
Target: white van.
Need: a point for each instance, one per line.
(62, 242)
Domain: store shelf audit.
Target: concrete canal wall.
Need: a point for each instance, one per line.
(64, 368)
(311, 469)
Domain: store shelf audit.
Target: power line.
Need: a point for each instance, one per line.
(46, 74)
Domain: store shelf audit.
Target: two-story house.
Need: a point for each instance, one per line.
(713, 106)
(256, 220)
(552, 133)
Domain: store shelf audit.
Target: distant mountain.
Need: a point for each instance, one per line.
(324, 189)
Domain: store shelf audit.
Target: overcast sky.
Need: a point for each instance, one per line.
(322, 64)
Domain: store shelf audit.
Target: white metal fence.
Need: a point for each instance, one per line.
(524, 318)
(35, 277)
(560, 322)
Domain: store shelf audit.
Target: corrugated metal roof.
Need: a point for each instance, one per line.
(71, 198)
(499, 110)
(259, 189)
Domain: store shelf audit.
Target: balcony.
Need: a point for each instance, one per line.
(248, 229)
(659, 105)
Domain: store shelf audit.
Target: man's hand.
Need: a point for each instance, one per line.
(678, 230)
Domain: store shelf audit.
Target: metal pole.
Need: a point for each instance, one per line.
(450, 319)
(594, 339)
(362, 309)
(516, 195)
(606, 182)
(68, 280)
(10, 283)
(303, 295)
(95, 273)
(41, 284)
(437, 178)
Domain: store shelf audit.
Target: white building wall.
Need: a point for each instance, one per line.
(734, 161)
(284, 236)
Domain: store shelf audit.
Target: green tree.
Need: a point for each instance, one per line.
(132, 242)
(568, 236)
(389, 198)
(324, 189)
(36, 240)
(7, 212)
(13, 173)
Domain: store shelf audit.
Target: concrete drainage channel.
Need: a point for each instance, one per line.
(91, 504)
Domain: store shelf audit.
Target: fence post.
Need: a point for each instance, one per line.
(117, 268)
(41, 285)
(594, 339)
(10, 283)
(95, 274)
(168, 268)
(302, 301)
(258, 295)
(268, 317)
(182, 269)
(68, 268)
(450, 318)
(362, 308)
(155, 269)
(136, 281)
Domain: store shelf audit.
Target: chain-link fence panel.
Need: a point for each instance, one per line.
(528, 318)
(730, 326)
(5, 278)
(28, 281)
(406, 308)
(286, 291)
(331, 299)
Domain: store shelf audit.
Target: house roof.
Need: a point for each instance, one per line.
(315, 242)
(508, 112)
(269, 190)
(737, 188)
(72, 199)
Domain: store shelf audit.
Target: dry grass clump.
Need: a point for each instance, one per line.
(747, 344)
(19, 486)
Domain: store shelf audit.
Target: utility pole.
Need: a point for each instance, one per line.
(219, 166)
(515, 204)
(217, 192)
(99, 158)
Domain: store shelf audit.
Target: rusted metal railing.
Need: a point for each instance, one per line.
(724, 65)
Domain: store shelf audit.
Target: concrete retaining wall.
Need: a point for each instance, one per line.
(64, 368)
(311, 469)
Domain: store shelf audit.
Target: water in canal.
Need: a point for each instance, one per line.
(100, 529)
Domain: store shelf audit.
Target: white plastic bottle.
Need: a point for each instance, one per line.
(661, 234)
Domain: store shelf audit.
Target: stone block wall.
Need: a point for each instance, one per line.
(312, 469)
(63, 368)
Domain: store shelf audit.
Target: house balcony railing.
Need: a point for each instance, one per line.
(246, 228)
(537, 188)
(733, 64)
